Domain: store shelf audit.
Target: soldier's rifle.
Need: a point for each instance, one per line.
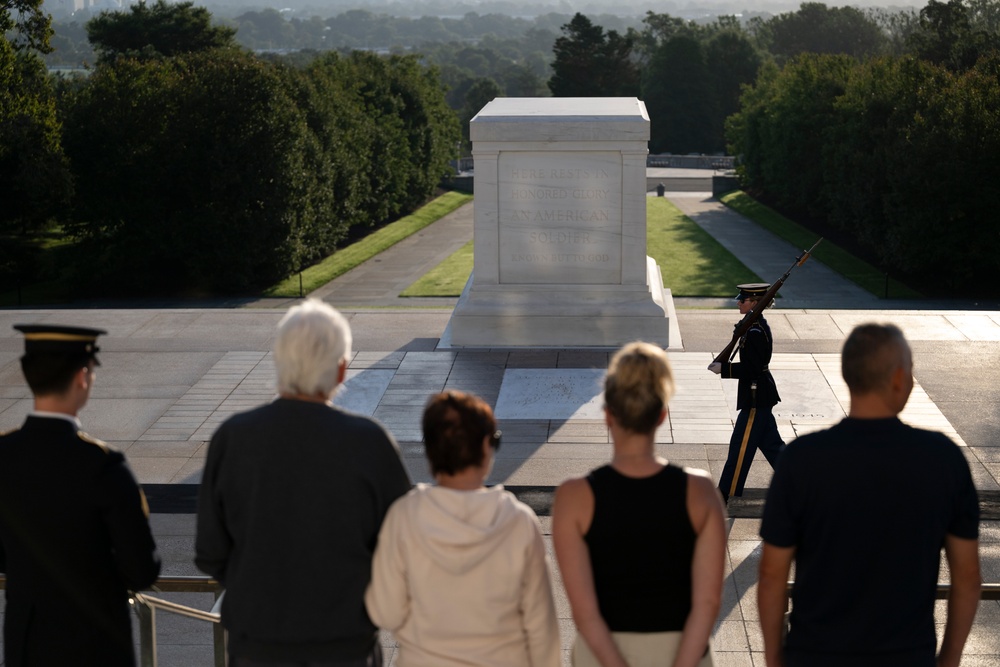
(729, 351)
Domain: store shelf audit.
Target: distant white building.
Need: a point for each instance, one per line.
(61, 8)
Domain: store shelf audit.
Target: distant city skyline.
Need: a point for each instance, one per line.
(688, 9)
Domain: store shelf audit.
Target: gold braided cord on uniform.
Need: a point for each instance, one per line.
(743, 450)
(48, 335)
(89, 439)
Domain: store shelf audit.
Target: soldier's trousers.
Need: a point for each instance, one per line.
(763, 435)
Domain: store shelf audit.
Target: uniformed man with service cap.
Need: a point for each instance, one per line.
(74, 524)
(756, 394)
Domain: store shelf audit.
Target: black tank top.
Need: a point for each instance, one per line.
(641, 544)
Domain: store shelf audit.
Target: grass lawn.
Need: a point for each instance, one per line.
(53, 254)
(345, 259)
(861, 272)
(447, 278)
(692, 262)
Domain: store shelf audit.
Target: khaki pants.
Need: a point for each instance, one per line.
(640, 649)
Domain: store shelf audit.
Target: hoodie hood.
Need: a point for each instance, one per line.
(461, 528)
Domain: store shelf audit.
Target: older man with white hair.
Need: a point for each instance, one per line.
(291, 502)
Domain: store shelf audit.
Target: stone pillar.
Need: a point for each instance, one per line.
(560, 227)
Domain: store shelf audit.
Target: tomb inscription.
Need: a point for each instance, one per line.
(560, 215)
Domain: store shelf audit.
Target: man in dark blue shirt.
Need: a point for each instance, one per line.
(863, 509)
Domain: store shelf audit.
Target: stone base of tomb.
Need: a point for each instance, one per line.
(564, 315)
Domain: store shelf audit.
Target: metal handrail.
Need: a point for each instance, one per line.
(147, 605)
(986, 592)
(197, 583)
(180, 609)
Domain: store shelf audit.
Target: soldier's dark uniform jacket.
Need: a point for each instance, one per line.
(755, 354)
(74, 538)
(756, 394)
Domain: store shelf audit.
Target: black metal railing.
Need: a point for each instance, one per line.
(716, 162)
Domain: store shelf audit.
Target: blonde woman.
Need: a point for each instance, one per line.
(640, 542)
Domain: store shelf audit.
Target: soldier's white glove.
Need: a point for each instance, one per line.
(715, 367)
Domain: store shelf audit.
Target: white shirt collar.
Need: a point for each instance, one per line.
(56, 415)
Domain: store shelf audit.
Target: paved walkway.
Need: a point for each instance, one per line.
(170, 376)
(813, 284)
(379, 281)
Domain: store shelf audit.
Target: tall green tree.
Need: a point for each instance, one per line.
(415, 132)
(985, 15)
(35, 183)
(910, 168)
(160, 29)
(942, 183)
(25, 25)
(591, 63)
(267, 29)
(732, 62)
(192, 174)
(946, 36)
(481, 93)
(680, 99)
(658, 29)
(816, 28)
(871, 127)
(897, 25)
(780, 129)
(34, 175)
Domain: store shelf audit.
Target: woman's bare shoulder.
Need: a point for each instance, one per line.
(573, 488)
(703, 498)
(698, 474)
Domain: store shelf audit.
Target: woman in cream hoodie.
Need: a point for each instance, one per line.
(460, 575)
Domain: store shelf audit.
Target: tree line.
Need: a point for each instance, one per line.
(690, 74)
(189, 164)
(897, 151)
(179, 136)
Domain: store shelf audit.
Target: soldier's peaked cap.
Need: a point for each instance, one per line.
(752, 290)
(56, 338)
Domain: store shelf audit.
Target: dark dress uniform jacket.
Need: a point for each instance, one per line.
(74, 538)
(755, 355)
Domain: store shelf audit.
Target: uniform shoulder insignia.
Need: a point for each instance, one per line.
(757, 329)
(89, 439)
